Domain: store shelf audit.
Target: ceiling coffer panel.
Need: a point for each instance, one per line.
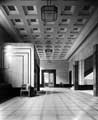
(30, 9)
(54, 26)
(11, 9)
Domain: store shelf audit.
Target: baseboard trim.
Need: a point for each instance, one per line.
(61, 85)
(85, 87)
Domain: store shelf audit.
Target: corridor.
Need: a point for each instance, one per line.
(51, 104)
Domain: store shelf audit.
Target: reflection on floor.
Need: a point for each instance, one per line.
(91, 92)
(51, 104)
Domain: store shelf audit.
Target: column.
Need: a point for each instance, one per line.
(76, 75)
(81, 72)
(95, 70)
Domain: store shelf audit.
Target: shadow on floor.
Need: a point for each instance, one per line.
(4, 99)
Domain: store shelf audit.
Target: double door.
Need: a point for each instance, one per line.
(49, 78)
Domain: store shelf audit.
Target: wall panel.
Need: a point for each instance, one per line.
(19, 64)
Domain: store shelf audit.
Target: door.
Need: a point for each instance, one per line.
(49, 78)
(46, 78)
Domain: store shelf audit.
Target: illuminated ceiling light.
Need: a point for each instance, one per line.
(49, 12)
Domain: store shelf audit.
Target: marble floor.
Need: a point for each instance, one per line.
(51, 104)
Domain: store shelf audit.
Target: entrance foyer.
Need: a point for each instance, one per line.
(51, 104)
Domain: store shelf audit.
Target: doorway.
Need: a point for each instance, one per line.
(48, 78)
(70, 77)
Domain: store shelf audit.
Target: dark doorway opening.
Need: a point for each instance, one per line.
(70, 77)
(37, 78)
(49, 78)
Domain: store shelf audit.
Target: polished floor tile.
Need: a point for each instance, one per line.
(54, 104)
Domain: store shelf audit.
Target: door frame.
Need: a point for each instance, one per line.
(50, 71)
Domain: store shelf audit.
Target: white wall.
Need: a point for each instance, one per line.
(89, 79)
(19, 63)
(85, 50)
(61, 69)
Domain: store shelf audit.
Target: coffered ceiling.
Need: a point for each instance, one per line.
(55, 40)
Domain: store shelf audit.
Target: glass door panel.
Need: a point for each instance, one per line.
(51, 79)
(46, 78)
